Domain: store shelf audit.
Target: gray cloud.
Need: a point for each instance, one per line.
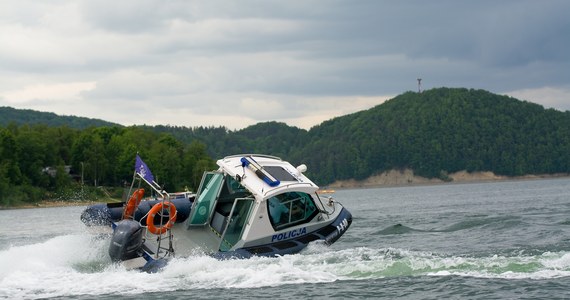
(283, 60)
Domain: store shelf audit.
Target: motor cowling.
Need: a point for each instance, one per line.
(126, 241)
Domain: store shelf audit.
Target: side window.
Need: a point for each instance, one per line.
(289, 209)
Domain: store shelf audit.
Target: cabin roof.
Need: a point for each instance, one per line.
(265, 175)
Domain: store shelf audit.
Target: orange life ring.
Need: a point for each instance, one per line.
(133, 203)
(154, 210)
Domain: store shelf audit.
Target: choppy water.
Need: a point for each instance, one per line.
(507, 240)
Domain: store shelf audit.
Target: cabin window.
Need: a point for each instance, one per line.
(289, 209)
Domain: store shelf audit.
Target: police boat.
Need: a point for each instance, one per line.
(252, 205)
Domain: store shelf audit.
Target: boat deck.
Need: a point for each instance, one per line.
(195, 240)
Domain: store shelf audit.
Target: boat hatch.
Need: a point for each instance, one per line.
(206, 198)
(224, 206)
(236, 224)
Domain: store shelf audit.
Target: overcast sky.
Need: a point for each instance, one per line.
(237, 63)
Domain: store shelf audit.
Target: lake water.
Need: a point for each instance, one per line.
(500, 240)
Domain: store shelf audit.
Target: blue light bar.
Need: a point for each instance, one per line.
(249, 162)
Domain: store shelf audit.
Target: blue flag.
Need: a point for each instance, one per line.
(142, 169)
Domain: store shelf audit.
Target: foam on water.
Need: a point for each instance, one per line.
(78, 265)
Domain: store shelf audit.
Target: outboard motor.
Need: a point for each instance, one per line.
(126, 241)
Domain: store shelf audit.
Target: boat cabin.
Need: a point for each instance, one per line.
(250, 199)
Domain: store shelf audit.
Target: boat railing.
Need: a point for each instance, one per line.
(289, 185)
(254, 155)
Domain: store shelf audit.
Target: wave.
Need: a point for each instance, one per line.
(497, 222)
(566, 222)
(398, 229)
(78, 265)
(486, 222)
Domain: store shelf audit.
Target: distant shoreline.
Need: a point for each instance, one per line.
(393, 178)
(56, 203)
(406, 177)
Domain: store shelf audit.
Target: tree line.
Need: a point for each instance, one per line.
(33, 160)
(9, 115)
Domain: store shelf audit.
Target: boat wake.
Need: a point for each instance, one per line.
(78, 264)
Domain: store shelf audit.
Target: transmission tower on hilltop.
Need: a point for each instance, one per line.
(419, 85)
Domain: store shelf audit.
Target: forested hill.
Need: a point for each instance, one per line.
(26, 116)
(435, 132)
(442, 131)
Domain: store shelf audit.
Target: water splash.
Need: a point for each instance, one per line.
(78, 265)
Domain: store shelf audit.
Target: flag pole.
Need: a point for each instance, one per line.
(143, 171)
